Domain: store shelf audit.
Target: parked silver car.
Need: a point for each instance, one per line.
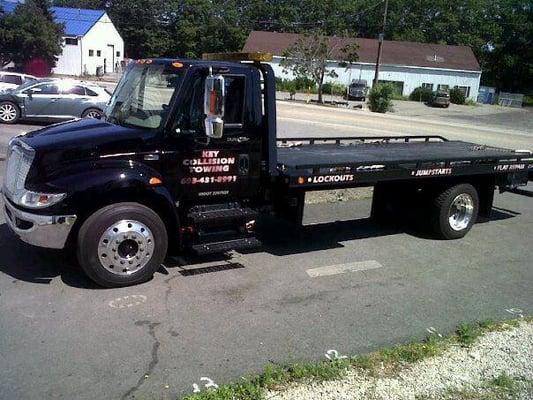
(53, 99)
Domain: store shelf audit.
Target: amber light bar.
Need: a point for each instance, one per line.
(257, 57)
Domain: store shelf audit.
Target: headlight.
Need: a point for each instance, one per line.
(40, 200)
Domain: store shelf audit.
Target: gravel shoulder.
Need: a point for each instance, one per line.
(497, 366)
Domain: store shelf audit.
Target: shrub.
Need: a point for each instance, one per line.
(333, 88)
(457, 97)
(303, 84)
(380, 98)
(421, 94)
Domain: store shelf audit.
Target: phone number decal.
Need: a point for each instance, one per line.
(209, 179)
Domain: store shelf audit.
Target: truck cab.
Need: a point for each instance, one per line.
(180, 156)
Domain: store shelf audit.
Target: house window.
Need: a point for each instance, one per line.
(443, 88)
(91, 53)
(98, 53)
(427, 86)
(71, 41)
(118, 53)
(465, 90)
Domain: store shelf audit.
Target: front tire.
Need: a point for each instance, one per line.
(9, 112)
(122, 244)
(455, 211)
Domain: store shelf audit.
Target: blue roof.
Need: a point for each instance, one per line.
(8, 6)
(77, 21)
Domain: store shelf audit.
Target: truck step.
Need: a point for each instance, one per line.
(221, 216)
(221, 247)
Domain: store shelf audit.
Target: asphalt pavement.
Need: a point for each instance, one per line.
(217, 319)
(200, 319)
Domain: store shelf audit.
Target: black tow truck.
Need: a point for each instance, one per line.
(187, 155)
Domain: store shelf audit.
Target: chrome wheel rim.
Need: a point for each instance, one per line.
(92, 114)
(461, 212)
(126, 247)
(8, 112)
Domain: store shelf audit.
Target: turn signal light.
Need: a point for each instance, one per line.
(155, 181)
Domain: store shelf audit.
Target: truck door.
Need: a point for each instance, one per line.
(216, 169)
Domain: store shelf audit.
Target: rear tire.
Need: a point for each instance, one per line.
(9, 112)
(129, 238)
(92, 113)
(455, 211)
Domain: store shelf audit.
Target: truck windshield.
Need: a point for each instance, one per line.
(143, 95)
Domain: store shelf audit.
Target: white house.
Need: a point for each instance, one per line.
(406, 64)
(90, 40)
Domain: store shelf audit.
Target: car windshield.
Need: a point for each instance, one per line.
(143, 96)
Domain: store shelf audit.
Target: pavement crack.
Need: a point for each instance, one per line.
(168, 291)
(153, 362)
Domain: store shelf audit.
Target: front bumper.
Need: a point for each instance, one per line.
(50, 231)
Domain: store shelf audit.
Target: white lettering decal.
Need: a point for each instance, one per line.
(331, 178)
(432, 172)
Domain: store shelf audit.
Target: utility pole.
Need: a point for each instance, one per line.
(380, 44)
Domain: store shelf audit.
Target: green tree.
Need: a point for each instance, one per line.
(28, 33)
(308, 58)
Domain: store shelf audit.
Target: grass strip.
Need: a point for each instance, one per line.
(387, 360)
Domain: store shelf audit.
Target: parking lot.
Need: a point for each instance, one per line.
(220, 318)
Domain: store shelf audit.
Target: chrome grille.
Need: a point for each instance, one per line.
(18, 165)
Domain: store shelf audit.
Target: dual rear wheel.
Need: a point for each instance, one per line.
(450, 212)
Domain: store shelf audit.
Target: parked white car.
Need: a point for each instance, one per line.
(11, 80)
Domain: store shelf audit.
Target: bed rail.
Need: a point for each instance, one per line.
(361, 139)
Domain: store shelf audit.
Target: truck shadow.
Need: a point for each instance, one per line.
(281, 238)
(35, 265)
(31, 264)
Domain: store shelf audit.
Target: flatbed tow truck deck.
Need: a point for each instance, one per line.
(356, 161)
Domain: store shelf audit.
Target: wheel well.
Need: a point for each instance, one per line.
(91, 108)
(11, 102)
(161, 206)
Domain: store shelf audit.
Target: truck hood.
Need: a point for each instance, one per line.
(86, 138)
(71, 145)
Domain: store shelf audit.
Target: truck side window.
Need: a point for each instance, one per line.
(233, 108)
(190, 118)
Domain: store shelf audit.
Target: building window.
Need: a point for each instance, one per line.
(91, 53)
(427, 86)
(465, 90)
(118, 53)
(98, 53)
(71, 41)
(443, 88)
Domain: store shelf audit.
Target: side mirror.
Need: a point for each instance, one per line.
(29, 92)
(214, 95)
